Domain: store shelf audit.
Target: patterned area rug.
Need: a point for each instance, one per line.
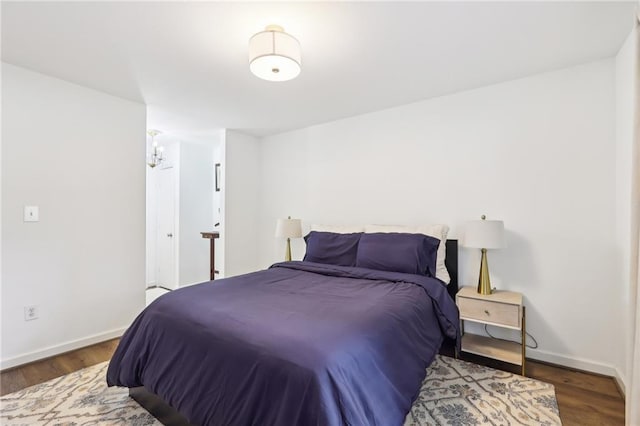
(461, 393)
(453, 393)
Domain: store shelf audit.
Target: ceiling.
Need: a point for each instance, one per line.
(188, 60)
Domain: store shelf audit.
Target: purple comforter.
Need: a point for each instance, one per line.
(298, 344)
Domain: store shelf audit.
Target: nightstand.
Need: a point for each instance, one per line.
(501, 309)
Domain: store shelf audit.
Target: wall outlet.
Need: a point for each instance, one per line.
(31, 214)
(30, 313)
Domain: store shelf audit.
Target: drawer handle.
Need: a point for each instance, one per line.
(486, 312)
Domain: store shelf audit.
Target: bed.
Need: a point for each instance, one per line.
(301, 343)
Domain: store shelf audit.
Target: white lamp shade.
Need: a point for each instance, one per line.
(488, 234)
(289, 228)
(274, 55)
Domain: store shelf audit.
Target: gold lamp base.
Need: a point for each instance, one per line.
(287, 253)
(484, 283)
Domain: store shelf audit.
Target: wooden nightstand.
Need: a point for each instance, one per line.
(501, 309)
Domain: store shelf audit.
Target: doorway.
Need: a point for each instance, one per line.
(182, 203)
(162, 223)
(166, 250)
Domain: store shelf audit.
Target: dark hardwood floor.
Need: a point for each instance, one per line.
(584, 399)
(14, 379)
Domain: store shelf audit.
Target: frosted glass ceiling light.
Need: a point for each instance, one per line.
(274, 55)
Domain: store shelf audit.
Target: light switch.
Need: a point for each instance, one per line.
(31, 213)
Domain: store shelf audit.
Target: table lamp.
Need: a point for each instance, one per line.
(484, 234)
(288, 228)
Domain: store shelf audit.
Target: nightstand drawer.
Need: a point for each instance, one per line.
(490, 311)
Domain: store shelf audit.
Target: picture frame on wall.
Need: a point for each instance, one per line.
(217, 177)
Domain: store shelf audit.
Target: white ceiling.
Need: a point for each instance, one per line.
(188, 60)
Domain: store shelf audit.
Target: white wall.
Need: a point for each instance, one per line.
(196, 211)
(151, 225)
(217, 195)
(218, 158)
(77, 154)
(627, 76)
(239, 235)
(534, 152)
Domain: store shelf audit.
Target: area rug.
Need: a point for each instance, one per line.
(453, 393)
(461, 393)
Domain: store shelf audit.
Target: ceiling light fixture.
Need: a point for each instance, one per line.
(274, 55)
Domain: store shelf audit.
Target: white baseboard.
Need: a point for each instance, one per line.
(619, 378)
(580, 364)
(566, 360)
(58, 349)
(534, 354)
(574, 362)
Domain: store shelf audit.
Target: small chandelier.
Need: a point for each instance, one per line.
(274, 55)
(156, 152)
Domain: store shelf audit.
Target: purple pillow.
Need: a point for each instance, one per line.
(331, 248)
(398, 252)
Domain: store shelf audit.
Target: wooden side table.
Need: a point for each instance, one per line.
(212, 236)
(501, 309)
